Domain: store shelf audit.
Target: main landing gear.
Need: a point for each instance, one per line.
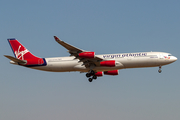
(89, 74)
(159, 69)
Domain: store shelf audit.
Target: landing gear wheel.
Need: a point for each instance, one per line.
(90, 79)
(159, 71)
(88, 75)
(92, 72)
(94, 77)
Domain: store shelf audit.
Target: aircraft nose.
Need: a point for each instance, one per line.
(173, 58)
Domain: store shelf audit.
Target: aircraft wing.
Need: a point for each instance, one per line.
(68, 46)
(74, 51)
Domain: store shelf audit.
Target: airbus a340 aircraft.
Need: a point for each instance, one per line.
(86, 61)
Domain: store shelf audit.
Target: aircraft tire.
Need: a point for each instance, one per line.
(88, 75)
(95, 77)
(90, 79)
(92, 72)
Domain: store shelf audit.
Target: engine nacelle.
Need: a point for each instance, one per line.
(87, 54)
(99, 74)
(109, 63)
(112, 72)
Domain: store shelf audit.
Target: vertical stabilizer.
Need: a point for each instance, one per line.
(22, 53)
(19, 50)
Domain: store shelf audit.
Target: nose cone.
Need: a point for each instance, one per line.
(173, 58)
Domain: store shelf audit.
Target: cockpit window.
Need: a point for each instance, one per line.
(169, 55)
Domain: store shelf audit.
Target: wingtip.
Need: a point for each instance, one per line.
(56, 38)
(5, 55)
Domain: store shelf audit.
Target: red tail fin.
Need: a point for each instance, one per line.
(19, 50)
(22, 53)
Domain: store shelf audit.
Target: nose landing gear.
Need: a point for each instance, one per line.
(159, 69)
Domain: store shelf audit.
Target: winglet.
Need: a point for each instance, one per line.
(56, 38)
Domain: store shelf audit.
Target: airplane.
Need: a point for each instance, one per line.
(87, 61)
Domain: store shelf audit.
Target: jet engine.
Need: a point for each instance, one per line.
(99, 74)
(109, 63)
(112, 72)
(87, 54)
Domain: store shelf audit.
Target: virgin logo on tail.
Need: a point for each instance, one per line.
(20, 54)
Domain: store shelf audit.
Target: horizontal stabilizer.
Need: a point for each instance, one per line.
(16, 60)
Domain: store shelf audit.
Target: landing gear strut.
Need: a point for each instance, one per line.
(159, 69)
(89, 74)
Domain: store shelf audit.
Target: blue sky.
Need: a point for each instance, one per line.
(100, 26)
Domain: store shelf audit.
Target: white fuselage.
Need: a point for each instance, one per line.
(124, 60)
